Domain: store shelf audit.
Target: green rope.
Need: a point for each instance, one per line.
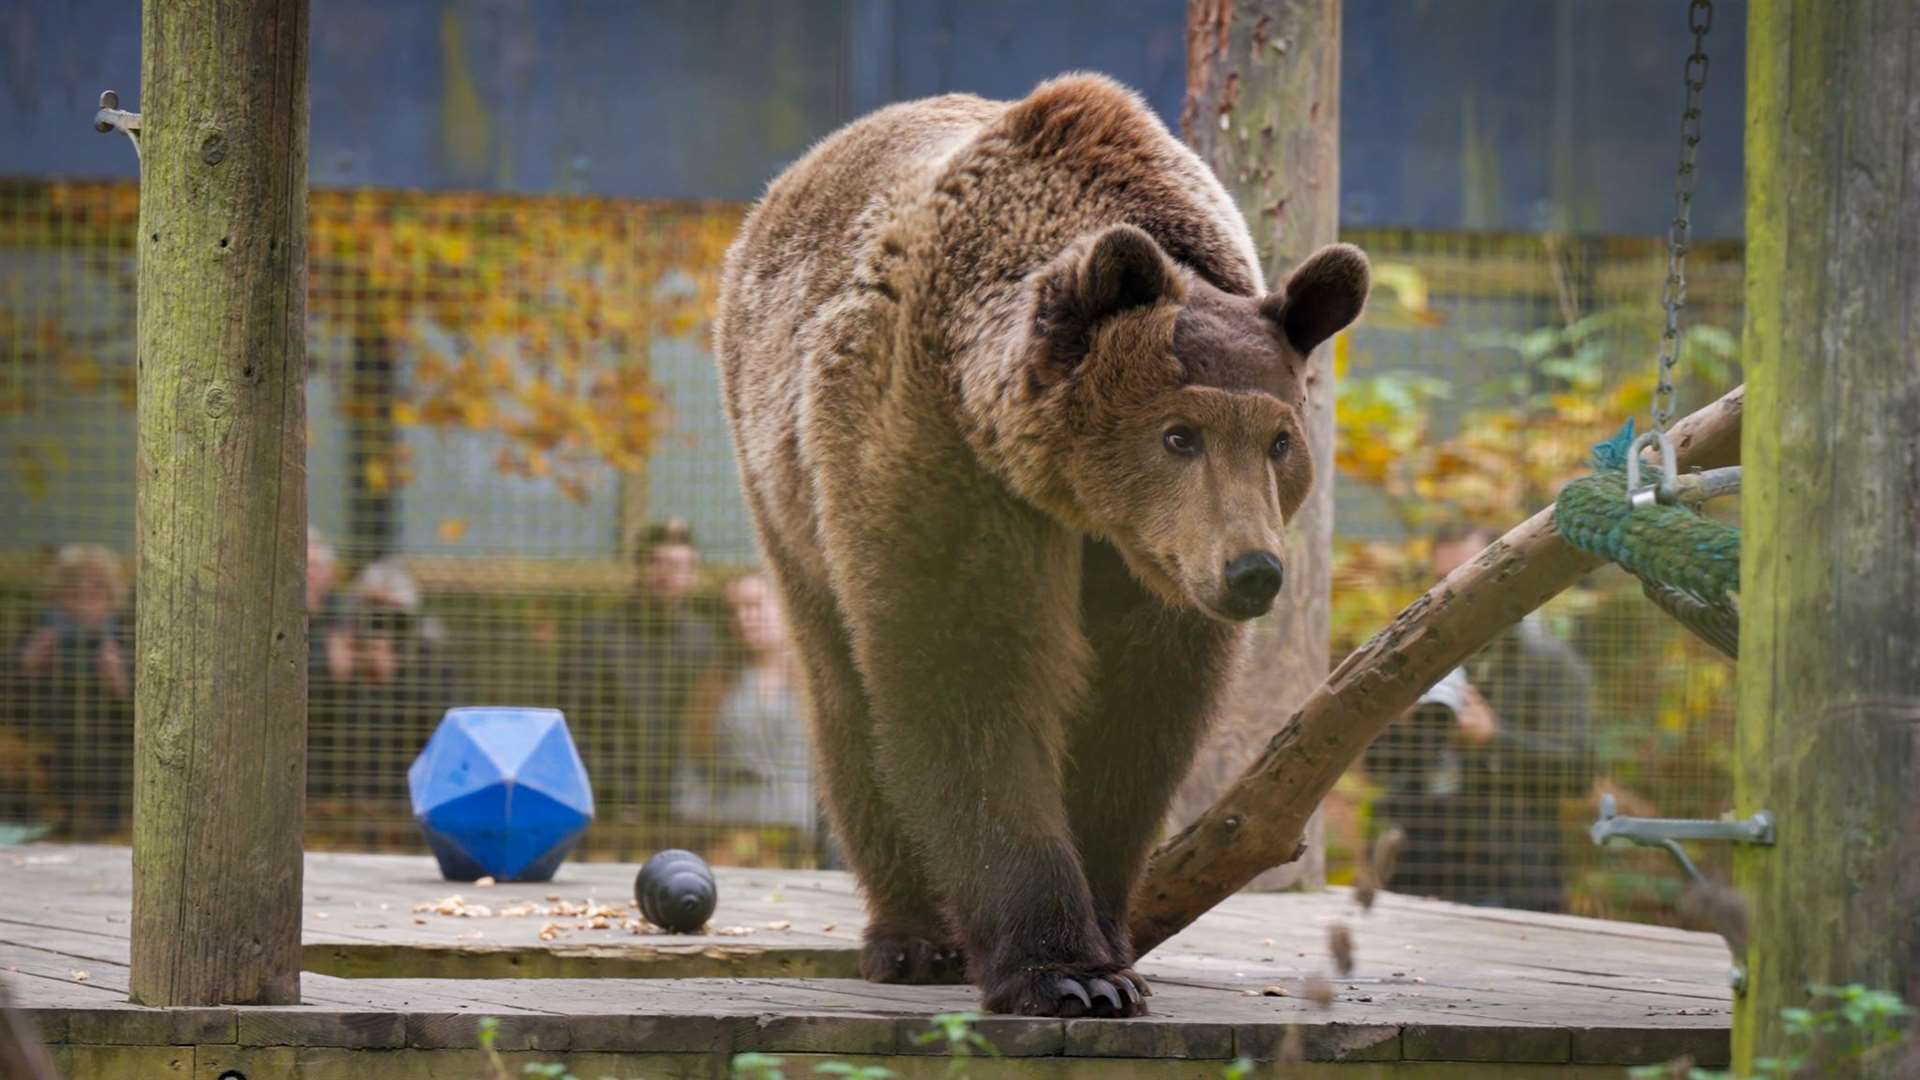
(1672, 549)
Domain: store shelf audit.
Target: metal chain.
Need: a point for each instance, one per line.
(1680, 232)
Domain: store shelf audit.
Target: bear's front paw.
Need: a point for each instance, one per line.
(905, 958)
(1102, 990)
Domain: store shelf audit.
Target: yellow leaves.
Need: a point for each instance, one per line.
(452, 530)
(1404, 287)
(31, 465)
(79, 371)
(376, 475)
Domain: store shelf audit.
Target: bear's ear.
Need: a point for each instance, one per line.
(1321, 297)
(1116, 270)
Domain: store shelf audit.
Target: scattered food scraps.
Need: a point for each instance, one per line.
(485, 882)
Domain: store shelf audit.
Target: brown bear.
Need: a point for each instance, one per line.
(1020, 430)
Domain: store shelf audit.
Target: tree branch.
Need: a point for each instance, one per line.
(1258, 822)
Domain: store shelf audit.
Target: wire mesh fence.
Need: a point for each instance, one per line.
(522, 492)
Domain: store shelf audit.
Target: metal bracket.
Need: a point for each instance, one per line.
(113, 118)
(1691, 489)
(1666, 833)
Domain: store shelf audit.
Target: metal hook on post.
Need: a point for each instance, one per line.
(111, 117)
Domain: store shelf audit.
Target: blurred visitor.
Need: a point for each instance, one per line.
(323, 603)
(629, 682)
(384, 685)
(748, 761)
(74, 669)
(1477, 772)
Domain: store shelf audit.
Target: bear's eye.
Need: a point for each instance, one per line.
(1281, 443)
(1182, 440)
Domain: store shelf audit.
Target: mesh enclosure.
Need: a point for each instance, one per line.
(522, 492)
(1487, 369)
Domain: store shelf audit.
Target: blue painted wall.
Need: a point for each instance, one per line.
(1507, 114)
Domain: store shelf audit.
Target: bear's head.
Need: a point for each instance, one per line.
(1171, 412)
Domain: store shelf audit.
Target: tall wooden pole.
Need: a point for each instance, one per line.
(220, 697)
(1829, 727)
(1263, 109)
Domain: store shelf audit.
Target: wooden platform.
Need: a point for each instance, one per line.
(1437, 990)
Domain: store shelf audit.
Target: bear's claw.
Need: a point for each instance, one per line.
(1106, 1000)
(1073, 998)
(1101, 991)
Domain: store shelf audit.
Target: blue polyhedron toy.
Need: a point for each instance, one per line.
(501, 793)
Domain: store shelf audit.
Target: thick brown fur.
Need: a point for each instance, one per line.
(1011, 408)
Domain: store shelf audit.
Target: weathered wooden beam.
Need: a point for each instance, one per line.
(1263, 109)
(1828, 738)
(1260, 820)
(220, 696)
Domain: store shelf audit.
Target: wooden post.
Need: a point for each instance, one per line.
(1263, 109)
(1829, 727)
(220, 696)
(1259, 821)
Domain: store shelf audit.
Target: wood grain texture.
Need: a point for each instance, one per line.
(220, 700)
(1456, 984)
(1829, 720)
(1259, 821)
(1263, 110)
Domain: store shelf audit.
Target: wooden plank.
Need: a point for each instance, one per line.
(1603, 992)
(82, 1062)
(363, 1029)
(221, 672)
(471, 961)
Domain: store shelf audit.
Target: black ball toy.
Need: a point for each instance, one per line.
(675, 891)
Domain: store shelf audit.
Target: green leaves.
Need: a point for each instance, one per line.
(1839, 1024)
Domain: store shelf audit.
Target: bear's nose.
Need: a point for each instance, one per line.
(1253, 580)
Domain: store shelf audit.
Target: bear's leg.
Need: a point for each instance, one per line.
(906, 939)
(966, 627)
(1158, 673)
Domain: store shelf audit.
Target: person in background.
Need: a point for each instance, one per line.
(628, 684)
(1476, 772)
(323, 603)
(75, 669)
(747, 766)
(385, 683)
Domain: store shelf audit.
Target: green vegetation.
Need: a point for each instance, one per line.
(1840, 1030)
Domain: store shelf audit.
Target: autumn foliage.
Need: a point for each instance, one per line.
(527, 316)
